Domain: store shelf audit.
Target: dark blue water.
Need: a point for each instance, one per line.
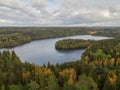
(43, 51)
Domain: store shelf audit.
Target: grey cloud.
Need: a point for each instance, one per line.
(65, 12)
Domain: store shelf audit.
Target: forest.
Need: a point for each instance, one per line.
(15, 75)
(98, 69)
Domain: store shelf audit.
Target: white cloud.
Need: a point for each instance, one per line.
(2, 21)
(63, 12)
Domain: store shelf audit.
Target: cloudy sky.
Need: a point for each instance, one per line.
(59, 12)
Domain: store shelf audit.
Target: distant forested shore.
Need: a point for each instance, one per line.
(15, 36)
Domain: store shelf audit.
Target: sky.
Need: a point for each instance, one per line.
(59, 12)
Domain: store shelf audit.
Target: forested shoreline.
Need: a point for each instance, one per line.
(12, 40)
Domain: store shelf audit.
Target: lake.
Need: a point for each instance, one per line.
(43, 51)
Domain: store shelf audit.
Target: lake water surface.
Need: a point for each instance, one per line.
(43, 51)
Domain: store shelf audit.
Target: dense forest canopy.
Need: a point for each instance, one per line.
(99, 68)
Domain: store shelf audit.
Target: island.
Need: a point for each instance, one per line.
(67, 44)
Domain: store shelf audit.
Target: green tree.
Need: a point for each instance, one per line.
(53, 83)
(86, 83)
(16, 87)
(32, 86)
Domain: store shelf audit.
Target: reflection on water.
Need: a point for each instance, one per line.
(69, 51)
(43, 51)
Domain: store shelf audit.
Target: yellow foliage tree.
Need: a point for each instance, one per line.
(112, 77)
(26, 76)
(68, 75)
(111, 62)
